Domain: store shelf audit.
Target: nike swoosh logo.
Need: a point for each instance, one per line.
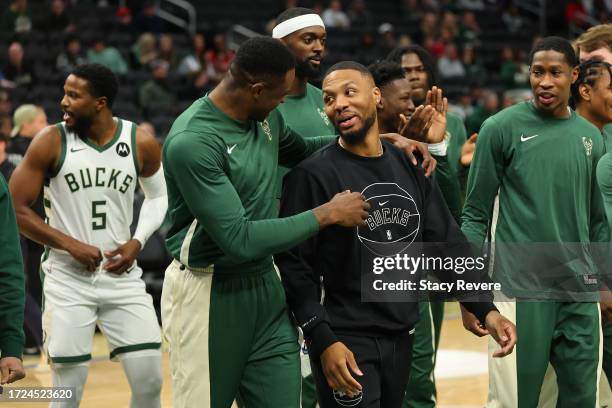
(73, 150)
(230, 149)
(524, 139)
(383, 203)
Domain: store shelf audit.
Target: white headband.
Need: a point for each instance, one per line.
(296, 23)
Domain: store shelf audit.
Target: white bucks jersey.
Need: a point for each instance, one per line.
(91, 194)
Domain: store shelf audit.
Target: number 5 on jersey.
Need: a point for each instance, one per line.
(98, 215)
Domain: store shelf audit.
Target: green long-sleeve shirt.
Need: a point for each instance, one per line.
(448, 171)
(12, 285)
(544, 172)
(306, 115)
(221, 179)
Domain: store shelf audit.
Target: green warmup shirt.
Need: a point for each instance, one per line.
(544, 171)
(12, 285)
(604, 178)
(306, 115)
(447, 171)
(458, 137)
(221, 179)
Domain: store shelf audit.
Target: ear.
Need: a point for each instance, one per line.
(575, 71)
(585, 92)
(377, 96)
(257, 89)
(101, 102)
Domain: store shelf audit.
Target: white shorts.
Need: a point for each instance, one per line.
(73, 304)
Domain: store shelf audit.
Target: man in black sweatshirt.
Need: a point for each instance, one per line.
(348, 336)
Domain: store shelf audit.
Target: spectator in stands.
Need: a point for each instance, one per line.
(428, 28)
(144, 51)
(512, 18)
(488, 105)
(148, 21)
(18, 69)
(367, 52)
(449, 64)
(508, 67)
(6, 105)
(219, 57)
(469, 30)
(359, 16)
(58, 19)
(155, 94)
(387, 41)
(196, 69)
(71, 56)
(335, 17)
(474, 70)
(449, 24)
(464, 108)
(16, 18)
(108, 56)
(123, 21)
(28, 120)
(167, 51)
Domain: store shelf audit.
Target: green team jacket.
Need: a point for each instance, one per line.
(306, 115)
(544, 172)
(12, 284)
(221, 177)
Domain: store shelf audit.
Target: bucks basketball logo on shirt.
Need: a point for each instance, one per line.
(393, 220)
(90, 196)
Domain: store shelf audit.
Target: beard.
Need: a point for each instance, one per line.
(303, 69)
(355, 137)
(81, 126)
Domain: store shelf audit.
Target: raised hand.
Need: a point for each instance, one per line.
(417, 126)
(439, 103)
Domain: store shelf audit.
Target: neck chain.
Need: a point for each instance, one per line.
(380, 147)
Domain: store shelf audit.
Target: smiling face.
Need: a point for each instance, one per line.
(396, 99)
(350, 99)
(551, 77)
(308, 47)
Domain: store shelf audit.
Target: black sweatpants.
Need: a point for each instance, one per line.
(385, 363)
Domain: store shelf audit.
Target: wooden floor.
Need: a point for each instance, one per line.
(108, 387)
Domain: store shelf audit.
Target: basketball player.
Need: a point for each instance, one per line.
(304, 34)
(12, 292)
(89, 165)
(420, 71)
(592, 94)
(223, 306)
(596, 44)
(540, 157)
(360, 351)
